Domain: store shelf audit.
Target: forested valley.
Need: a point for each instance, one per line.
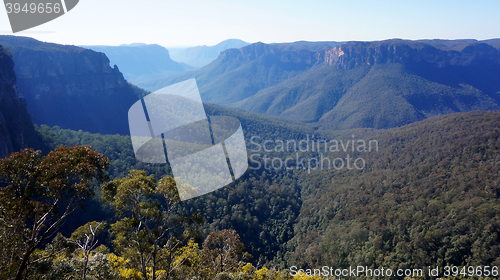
(428, 195)
(75, 203)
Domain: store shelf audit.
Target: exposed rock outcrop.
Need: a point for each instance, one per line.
(16, 128)
(353, 54)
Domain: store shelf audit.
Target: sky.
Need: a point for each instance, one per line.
(182, 23)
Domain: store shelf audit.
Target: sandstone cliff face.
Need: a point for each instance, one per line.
(353, 54)
(16, 129)
(70, 87)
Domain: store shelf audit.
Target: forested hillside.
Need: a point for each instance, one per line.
(252, 189)
(429, 195)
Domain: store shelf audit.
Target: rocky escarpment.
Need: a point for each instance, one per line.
(16, 129)
(70, 87)
(353, 54)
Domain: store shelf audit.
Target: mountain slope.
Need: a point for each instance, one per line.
(71, 87)
(239, 73)
(140, 62)
(355, 84)
(16, 128)
(202, 55)
(429, 196)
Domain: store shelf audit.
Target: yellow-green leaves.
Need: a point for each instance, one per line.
(37, 193)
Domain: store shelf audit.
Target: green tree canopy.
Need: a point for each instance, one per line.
(145, 234)
(37, 193)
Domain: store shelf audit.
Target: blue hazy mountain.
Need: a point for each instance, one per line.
(71, 87)
(141, 62)
(202, 55)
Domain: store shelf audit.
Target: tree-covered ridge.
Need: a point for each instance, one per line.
(430, 196)
(117, 148)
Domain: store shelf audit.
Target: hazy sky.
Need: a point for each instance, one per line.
(207, 22)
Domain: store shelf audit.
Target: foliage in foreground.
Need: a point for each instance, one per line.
(37, 193)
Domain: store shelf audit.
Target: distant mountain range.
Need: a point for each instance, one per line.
(141, 62)
(327, 84)
(202, 55)
(355, 84)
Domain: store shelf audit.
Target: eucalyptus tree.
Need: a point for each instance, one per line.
(145, 232)
(36, 194)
